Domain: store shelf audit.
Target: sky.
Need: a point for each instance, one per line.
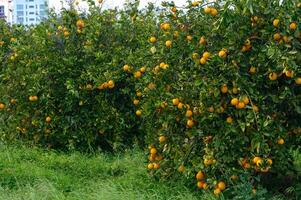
(113, 3)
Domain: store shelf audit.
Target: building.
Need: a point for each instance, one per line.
(6, 10)
(28, 12)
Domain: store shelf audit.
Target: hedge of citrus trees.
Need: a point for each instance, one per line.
(213, 88)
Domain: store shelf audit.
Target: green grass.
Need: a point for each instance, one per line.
(37, 174)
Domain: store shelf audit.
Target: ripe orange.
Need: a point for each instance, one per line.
(80, 24)
(162, 139)
(241, 105)
(142, 69)
(175, 101)
(207, 10)
(139, 94)
(213, 12)
(273, 76)
(110, 84)
(168, 43)
(221, 185)
(136, 102)
(229, 120)
(211, 109)
(256, 159)
(252, 70)
(2, 106)
(200, 175)
(202, 41)
(189, 37)
(276, 22)
(206, 55)
(280, 141)
(153, 151)
(181, 169)
(195, 3)
(234, 101)
(138, 113)
(277, 36)
(126, 68)
(48, 119)
(137, 74)
(150, 166)
(190, 123)
(298, 81)
(217, 191)
(174, 9)
(153, 39)
(156, 165)
(13, 101)
(180, 106)
(203, 61)
(222, 54)
(201, 185)
(189, 113)
(269, 161)
(224, 89)
(293, 26)
(289, 73)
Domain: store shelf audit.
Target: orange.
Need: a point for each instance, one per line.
(137, 74)
(166, 26)
(136, 102)
(277, 36)
(207, 10)
(175, 101)
(162, 139)
(217, 191)
(200, 175)
(241, 105)
(153, 39)
(180, 106)
(168, 43)
(195, 3)
(142, 69)
(201, 185)
(289, 73)
(276, 22)
(2, 106)
(273, 76)
(224, 89)
(139, 94)
(229, 120)
(190, 123)
(222, 54)
(110, 83)
(48, 119)
(269, 161)
(153, 151)
(211, 109)
(234, 101)
(80, 24)
(298, 81)
(252, 70)
(126, 68)
(255, 108)
(195, 55)
(221, 185)
(206, 55)
(203, 61)
(150, 166)
(156, 165)
(202, 41)
(188, 113)
(293, 26)
(280, 141)
(256, 159)
(13, 101)
(189, 37)
(181, 169)
(213, 12)
(174, 9)
(138, 113)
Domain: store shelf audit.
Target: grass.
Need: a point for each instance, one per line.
(35, 174)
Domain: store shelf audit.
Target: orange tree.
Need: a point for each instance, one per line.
(64, 84)
(221, 100)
